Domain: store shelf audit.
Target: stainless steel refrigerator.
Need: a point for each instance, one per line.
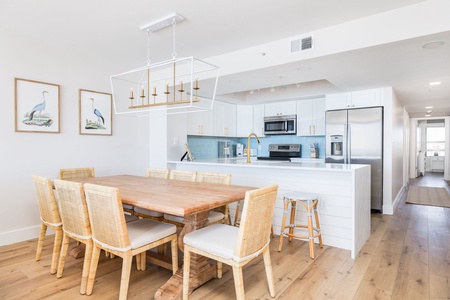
(355, 136)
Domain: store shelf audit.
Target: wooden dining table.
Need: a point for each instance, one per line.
(190, 200)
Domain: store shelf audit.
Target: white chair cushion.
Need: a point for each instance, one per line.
(174, 218)
(215, 216)
(300, 196)
(217, 239)
(148, 212)
(129, 218)
(142, 232)
(126, 206)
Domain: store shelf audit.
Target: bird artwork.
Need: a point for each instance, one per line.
(39, 107)
(43, 119)
(100, 120)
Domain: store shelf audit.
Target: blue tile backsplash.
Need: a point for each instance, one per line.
(207, 147)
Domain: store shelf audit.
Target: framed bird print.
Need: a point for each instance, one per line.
(36, 106)
(95, 112)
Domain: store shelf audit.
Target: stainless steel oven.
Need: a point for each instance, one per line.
(280, 125)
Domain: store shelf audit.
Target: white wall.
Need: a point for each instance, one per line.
(393, 151)
(24, 154)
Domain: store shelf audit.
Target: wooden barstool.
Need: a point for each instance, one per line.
(310, 202)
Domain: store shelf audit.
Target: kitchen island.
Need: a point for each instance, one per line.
(343, 190)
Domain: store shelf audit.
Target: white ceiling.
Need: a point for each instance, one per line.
(108, 30)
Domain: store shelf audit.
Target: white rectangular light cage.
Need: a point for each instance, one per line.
(179, 85)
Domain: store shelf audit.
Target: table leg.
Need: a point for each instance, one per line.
(201, 270)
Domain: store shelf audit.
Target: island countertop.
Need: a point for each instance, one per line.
(300, 165)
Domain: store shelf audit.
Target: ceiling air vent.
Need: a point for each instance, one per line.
(300, 44)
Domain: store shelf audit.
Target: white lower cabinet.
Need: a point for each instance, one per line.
(311, 117)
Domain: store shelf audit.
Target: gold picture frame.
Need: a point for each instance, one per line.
(36, 106)
(95, 112)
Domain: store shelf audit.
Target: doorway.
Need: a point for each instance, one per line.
(429, 151)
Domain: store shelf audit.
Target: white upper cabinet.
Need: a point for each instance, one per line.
(244, 116)
(357, 99)
(224, 119)
(200, 123)
(280, 108)
(311, 117)
(258, 119)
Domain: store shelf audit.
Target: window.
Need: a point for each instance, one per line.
(435, 141)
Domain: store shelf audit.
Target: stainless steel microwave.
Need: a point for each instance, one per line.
(280, 124)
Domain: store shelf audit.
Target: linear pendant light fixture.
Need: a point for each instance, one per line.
(177, 85)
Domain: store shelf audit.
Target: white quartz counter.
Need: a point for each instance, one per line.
(343, 192)
(273, 164)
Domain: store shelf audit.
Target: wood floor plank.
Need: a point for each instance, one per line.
(412, 281)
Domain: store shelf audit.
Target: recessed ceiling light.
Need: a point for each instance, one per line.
(251, 92)
(435, 83)
(428, 107)
(432, 45)
(272, 89)
(427, 115)
(429, 111)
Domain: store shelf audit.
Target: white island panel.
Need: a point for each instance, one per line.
(343, 190)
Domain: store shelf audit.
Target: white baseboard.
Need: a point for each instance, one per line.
(20, 235)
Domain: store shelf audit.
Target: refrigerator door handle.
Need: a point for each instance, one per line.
(345, 145)
(349, 143)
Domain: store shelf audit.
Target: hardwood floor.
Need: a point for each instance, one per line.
(406, 257)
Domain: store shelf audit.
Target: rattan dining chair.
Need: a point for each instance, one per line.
(185, 176)
(76, 173)
(76, 225)
(111, 233)
(147, 213)
(49, 214)
(219, 214)
(236, 246)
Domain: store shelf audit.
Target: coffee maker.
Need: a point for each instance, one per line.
(239, 150)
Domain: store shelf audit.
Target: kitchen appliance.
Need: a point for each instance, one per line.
(239, 150)
(224, 148)
(282, 152)
(280, 125)
(355, 136)
(313, 151)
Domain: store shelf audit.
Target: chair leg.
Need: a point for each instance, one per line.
(93, 269)
(143, 261)
(41, 241)
(219, 269)
(186, 272)
(86, 266)
(125, 278)
(283, 225)
(236, 215)
(310, 231)
(316, 215)
(56, 250)
(63, 255)
(239, 283)
(174, 250)
(138, 261)
(292, 220)
(269, 272)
